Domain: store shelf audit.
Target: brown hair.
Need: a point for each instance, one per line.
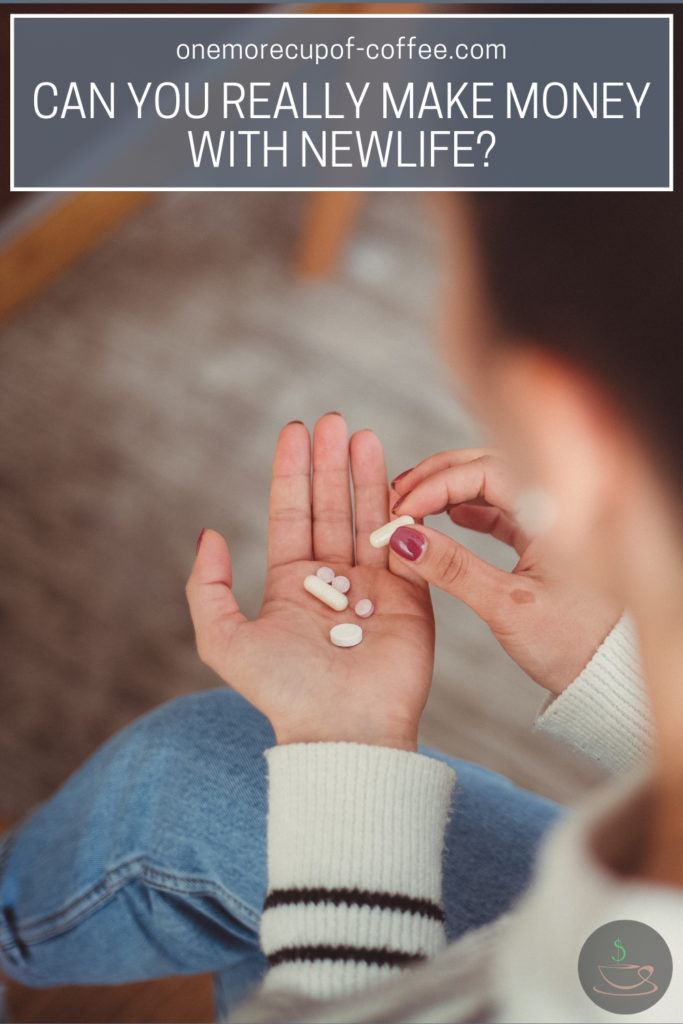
(598, 278)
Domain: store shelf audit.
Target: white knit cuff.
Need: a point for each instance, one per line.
(355, 840)
(604, 713)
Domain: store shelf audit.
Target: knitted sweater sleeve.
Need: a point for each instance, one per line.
(355, 839)
(604, 713)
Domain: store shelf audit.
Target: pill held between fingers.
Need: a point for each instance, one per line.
(325, 593)
(342, 584)
(346, 634)
(381, 537)
(364, 608)
(325, 574)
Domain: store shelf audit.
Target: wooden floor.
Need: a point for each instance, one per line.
(142, 393)
(172, 1000)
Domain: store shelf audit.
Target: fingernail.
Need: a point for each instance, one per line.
(294, 421)
(199, 540)
(333, 412)
(397, 504)
(401, 475)
(408, 543)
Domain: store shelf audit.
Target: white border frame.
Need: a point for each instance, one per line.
(377, 188)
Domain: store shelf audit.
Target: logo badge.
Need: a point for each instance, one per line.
(625, 967)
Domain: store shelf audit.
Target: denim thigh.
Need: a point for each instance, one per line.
(150, 860)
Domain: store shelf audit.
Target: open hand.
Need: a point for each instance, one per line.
(548, 624)
(283, 661)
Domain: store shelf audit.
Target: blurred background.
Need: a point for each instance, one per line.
(143, 387)
(151, 347)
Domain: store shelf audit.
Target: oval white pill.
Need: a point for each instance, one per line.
(364, 608)
(346, 634)
(325, 574)
(381, 537)
(342, 584)
(325, 593)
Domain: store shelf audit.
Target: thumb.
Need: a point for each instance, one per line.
(214, 610)
(452, 567)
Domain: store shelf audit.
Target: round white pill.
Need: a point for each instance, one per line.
(325, 574)
(346, 634)
(364, 608)
(342, 584)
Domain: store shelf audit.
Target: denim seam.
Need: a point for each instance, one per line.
(6, 843)
(41, 929)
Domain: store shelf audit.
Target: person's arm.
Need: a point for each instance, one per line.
(562, 636)
(604, 713)
(355, 839)
(356, 816)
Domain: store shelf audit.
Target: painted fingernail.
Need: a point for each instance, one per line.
(408, 543)
(199, 540)
(397, 504)
(401, 475)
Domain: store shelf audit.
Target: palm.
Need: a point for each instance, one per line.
(283, 661)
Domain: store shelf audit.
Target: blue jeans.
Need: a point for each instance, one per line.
(150, 860)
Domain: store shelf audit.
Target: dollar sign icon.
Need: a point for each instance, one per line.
(621, 951)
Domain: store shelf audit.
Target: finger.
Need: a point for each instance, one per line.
(485, 479)
(332, 521)
(409, 478)
(401, 566)
(453, 568)
(214, 610)
(371, 495)
(289, 512)
(486, 519)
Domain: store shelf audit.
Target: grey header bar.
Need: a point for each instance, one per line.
(341, 102)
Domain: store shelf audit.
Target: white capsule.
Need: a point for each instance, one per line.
(381, 537)
(346, 634)
(364, 608)
(325, 593)
(342, 584)
(325, 574)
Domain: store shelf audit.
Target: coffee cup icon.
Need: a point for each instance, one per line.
(626, 979)
(625, 967)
